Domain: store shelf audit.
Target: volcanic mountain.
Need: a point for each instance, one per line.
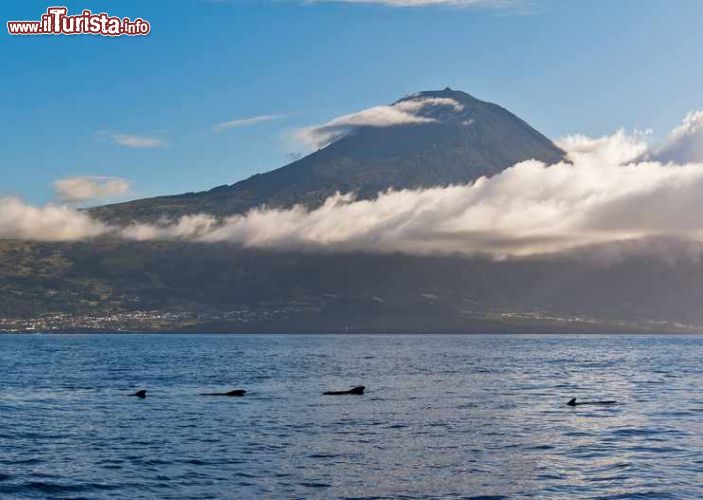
(425, 139)
(448, 137)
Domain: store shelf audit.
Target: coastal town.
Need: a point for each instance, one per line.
(143, 321)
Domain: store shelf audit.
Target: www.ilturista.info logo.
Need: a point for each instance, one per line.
(56, 21)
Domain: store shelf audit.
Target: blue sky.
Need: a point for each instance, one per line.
(564, 66)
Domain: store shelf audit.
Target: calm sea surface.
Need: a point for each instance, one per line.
(443, 417)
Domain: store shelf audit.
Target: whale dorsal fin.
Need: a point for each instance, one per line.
(572, 402)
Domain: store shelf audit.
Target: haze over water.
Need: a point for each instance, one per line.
(443, 417)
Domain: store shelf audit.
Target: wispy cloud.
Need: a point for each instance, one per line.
(511, 6)
(430, 3)
(245, 122)
(138, 141)
(89, 188)
(405, 112)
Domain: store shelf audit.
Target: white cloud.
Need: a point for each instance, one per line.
(404, 112)
(528, 209)
(684, 143)
(415, 3)
(187, 227)
(619, 148)
(19, 220)
(89, 188)
(138, 141)
(245, 122)
(429, 3)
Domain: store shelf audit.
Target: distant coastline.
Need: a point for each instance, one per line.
(242, 322)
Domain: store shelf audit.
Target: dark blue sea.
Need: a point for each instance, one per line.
(443, 417)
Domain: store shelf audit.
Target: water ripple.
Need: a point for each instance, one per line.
(444, 417)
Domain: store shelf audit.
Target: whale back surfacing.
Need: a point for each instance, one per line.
(572, 402)
(358, 390)
(232, 394)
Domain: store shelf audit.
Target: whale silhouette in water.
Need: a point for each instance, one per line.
(572, 402)
(232, 394)
(358, 390)
(141, 394)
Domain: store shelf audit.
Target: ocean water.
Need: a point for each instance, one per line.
(443, 417)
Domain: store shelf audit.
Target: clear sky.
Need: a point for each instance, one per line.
(77, 105)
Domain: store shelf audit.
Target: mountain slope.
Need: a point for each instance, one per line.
(453, 144)
(168, 286)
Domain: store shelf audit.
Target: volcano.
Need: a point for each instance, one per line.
(449, 137)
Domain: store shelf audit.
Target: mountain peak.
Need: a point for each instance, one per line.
(446, 93)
